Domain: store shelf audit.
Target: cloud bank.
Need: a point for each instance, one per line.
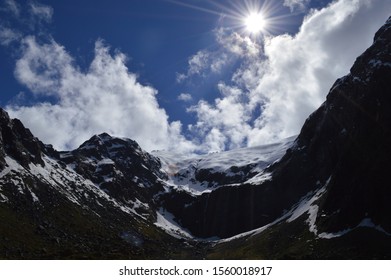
(104, 98)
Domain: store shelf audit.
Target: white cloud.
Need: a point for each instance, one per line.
(24, 17)
(104, 98)
(214, 141)
(41, 11)
(198, 63)
(271, 95)
(296, 5)
(228, 115)
(231, 46)
(186, 97)
(218, 63)
(236, 44)
(8, 36)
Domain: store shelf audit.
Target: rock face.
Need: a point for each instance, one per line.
(18, 142)
(119, 167)
(110, 199)
(349, 137)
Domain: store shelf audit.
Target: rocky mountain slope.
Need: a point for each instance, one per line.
(323, 194)
(93, 202)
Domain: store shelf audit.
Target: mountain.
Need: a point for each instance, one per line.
(79, 204)
(323, 194)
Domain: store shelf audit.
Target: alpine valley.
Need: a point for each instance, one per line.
(325, 194)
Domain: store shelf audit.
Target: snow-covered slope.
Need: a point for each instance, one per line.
(67, 182)
(198, 174)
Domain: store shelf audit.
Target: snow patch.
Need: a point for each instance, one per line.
(63, 180)
(11, 165)
(259, 178)
(3, 198)
(138, 204)
(106, 161)
(255, 231)
(307, 205)
(366, 222)
(329, 235)
(165, 220)
(34, 196)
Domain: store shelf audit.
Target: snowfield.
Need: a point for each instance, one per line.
(182, 169)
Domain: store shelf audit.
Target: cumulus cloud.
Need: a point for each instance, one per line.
(272, 94)
(226, 121)
(236, 44)
(296, 5)
(186, 97)
(104, 98)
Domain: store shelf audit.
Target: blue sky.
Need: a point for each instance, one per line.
(171, 74)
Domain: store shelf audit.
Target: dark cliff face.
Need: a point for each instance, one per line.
(356, 127)
(18, 142)
(346, 143)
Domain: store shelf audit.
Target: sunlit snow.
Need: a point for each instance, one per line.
(186, 165)
(165, 220)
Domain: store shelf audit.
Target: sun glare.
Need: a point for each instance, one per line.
(251, 18)
(255, 23)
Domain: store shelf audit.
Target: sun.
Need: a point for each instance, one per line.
(255, 22)
(254, 19)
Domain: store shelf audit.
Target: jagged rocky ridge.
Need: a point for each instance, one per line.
(93, 202)
(110, 199)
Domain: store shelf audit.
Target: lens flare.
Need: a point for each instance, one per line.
(252, 18)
